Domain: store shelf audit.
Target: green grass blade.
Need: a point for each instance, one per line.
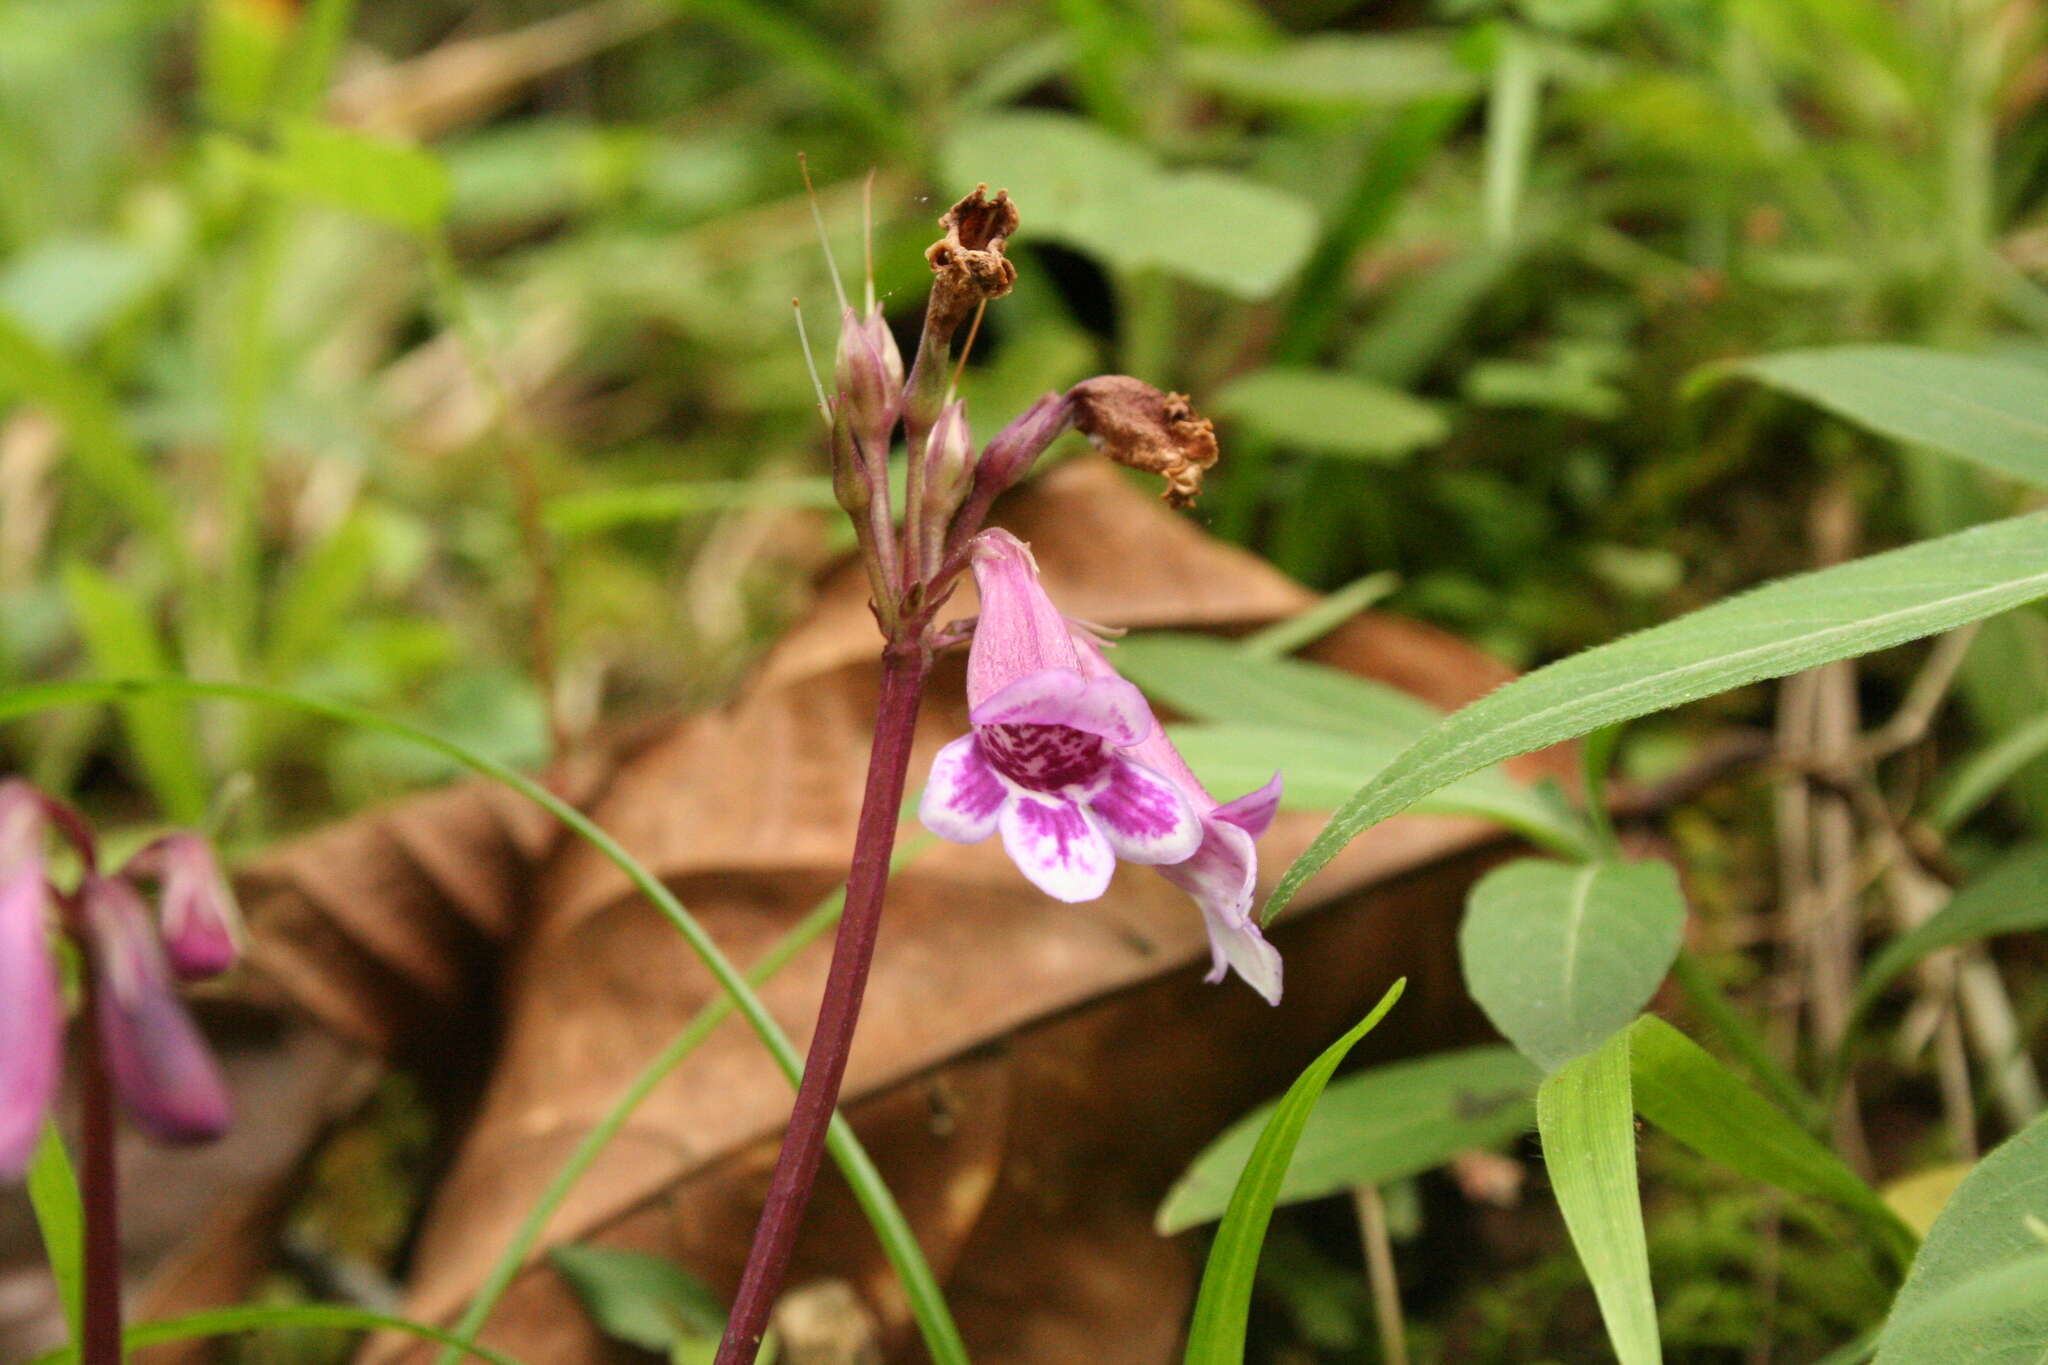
(60, 1220)
(892, 1229)
(1976, 779)
(1223, 1305)
(1284, 637)
(1784, 627)
(122, 640)
(2006, 898)
(228, 1322)
(1586, 1119)
(1695, 1099)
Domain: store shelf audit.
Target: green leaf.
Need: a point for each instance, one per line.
(1334, 70)
(1784, 627)
(1082, 186)
(68, 289)
(582, 514)
(1988, 411)
(2009, 897)
(639, 1299)
(1321, 769)
(1978, 1290)
(60, 1219)
(395, 183)
(1284, 637)
(1560, 957)
(1223, 1304)
(228, 1322)
(1585, 1116)
(1684, 1091)
(1370, 1128)
(316, 595)
(1328, 413)
(123, 640)
(1974, 779)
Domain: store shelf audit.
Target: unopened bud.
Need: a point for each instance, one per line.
(852, 479)
(31, 1018)
(196, 909)
(161, 1066)
(1016, 447)
(867, 372)
(949, 463)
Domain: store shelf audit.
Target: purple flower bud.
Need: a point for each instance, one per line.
(160, 1063)
(867, 371)
(31, 1020)
(1016, 447)
(201, 926)
(949, 466)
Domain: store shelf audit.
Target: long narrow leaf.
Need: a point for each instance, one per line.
(1784, 627)
(1223, 1305)
(228, 1322)
(60, 1219)
(1586, 1118)
(2011, 897)
(123, 640)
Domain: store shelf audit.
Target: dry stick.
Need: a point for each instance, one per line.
(1379, 1269)
(905, 665)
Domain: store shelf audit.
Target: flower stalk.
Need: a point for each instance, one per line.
(912, 567)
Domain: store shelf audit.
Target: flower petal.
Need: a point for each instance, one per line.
(162, 1068)
(1237, 945)
(1056, 846)
(31, 1021)
(1019, 631)
(201, 925)
(963, 794)
(1145, 816)
(1253, 811)
(1108, 707)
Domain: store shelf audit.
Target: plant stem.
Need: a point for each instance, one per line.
(100, 1335)
(905, 665)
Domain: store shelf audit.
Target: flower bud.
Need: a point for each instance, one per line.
(31, 1019)
(161, 1066)
(949, 465)
(867, 373)
(196, 911)
(1016, 447)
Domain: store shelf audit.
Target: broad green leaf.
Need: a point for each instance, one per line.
(395, 183)
(67, 289)
(581, 514)
(229, 1322)
(1340, 70)
(1089, 189)
(1978, 1291)
(1321, 769)
(60, 1219)
(1223, 1304)
(123, 641)
(1327, 413)
(1988, 411)
(1784, 627)
(1284, 637)
(1684, 1091)
(1371, 1128)
(1561, 956)
(1586, 1119)
(2010, 897)
(639, 1299)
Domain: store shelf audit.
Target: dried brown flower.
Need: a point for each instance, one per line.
(1136, 425)
(968, 261)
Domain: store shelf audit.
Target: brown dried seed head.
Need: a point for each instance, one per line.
(1135, 424)
(968, 261)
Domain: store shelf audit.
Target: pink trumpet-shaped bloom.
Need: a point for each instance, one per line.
(1048, 763)
(161, 1066)
(1223, 872)
(201, 927)
(31, 1019)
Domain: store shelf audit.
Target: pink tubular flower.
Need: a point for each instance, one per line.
(1047, 763)
(196, 910)
(1224, 870)
(1067, 763)
(162, 1069)
(31, 1019)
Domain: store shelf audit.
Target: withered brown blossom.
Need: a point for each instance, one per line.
(1137, 425)
(968, 264)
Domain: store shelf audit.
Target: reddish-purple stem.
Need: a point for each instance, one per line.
(100, 1335)
(905, 664)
